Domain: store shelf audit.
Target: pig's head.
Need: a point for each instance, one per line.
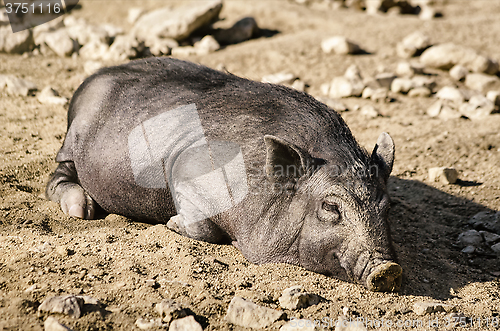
(342, 210)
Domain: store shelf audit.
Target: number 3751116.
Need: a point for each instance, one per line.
(25, 8)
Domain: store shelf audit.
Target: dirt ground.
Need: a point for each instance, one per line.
(43, 252)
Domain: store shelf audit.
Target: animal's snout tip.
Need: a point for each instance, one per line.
(385, 277)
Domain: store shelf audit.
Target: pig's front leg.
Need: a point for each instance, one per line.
(64, 188)
(204, 230)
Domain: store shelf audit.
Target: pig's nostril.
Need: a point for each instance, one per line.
(385, 277)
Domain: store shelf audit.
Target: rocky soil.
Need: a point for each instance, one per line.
(425, 72)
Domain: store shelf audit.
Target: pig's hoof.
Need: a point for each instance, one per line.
(75, 202)
(175, 224)
(386, 277)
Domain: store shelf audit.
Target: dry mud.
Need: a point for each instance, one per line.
(43, 252)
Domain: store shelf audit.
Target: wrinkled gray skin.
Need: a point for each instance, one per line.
(330, 216)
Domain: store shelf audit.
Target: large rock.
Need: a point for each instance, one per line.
(70, 305)
(486, 220)
(470, 237)
(94, 50)
(443, 174)
(481, 82)
(242, 30)
(296, 298)
(17, 86)
(247, 314)
(84, 33)
(302, 324)
(478, 107)
(177, 23)
(413, 45)
(15, 43)
(59, 41)
(424, 308)
(445, 56)
(185, 324)
(51, 96)
(340, 45)
(450, 93)
(124, 48)
(170, 310)
(52, 324)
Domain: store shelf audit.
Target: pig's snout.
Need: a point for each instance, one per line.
(385, 277)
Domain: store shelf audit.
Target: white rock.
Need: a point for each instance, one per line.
(407, 69)
(428, 13)
(299, 85)
(69, 305)
(17, 86)
(84, 33)
(161, 46)
(50, 96)
(412, 45)
(494, 96)
(177, 23)
(185, 324)
(450, 93)
(242, 30)
(112, 30)
(478, 107)
(94, 50)
(369, 111)
(342, 87)
(146, 324)
(52, 324)
(489, 237)
(334, 104)
(59, 41)
(402, 85)
(170, 310)
(419, 92)
(15, 43)
(339, 45)
(353, 72)
(481, 82)
(367, 92)
(380, 95)
(445, 56)
(123, 48)
(325, 88)
(424, 308)
(245, 313)
(470, 237)
(496, 248)
(468, 249)
(349, 324)
(91, 67)
(458, 72)
(184, 51)
(296, 298)
(301, 324)
(420, 80)
(443, 174)
(279, 78)
(134, 14)
(206, 45)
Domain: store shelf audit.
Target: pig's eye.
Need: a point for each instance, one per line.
(330, 207)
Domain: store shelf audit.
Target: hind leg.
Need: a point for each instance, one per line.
(64, 188)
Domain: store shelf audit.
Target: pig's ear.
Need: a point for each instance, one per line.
(383, 155)
(285, 159)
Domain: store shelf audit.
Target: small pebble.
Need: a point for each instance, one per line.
(443, 174)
